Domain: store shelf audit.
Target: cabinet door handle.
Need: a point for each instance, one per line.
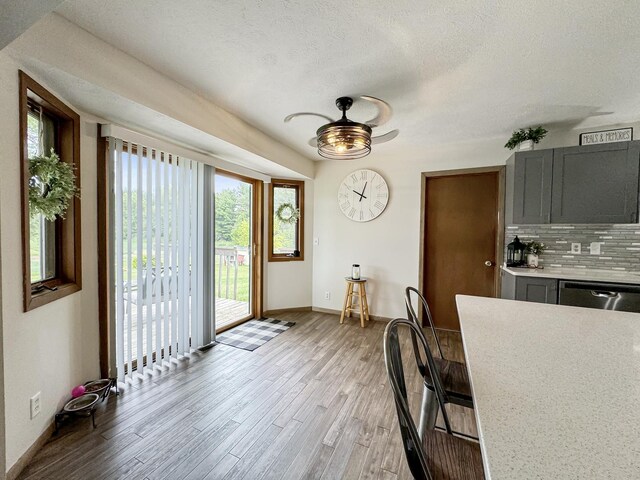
(600, 294)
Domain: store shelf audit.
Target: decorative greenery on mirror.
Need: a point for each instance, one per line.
(522, 135)
(51, 187)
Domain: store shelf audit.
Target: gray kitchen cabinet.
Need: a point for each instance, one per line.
(529, 289)
(529, 178)
(574, 185)
(596, 184)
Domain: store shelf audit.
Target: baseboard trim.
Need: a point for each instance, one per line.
(278, 311)
(376, 318)
(27, 456)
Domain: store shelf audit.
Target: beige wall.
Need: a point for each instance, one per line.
(54, 347)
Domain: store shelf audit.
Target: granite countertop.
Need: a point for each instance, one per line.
(584, 274)
(556, 389)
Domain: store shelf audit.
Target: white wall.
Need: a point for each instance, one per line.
(387, 248)
(288, 284)
(54, 347)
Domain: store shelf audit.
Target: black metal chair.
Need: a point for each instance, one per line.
(453, 375)
(435, 455)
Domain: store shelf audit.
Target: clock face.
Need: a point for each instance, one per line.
(363, 195)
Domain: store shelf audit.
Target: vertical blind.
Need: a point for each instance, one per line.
(160, 226)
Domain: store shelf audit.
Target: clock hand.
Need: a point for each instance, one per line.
(362, 194)
(358, 193)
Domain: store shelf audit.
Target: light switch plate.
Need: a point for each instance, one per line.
(576, 248)
(595, 248)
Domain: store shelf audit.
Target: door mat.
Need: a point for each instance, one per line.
(254, 333)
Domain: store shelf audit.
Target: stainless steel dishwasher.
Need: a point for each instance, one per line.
(605, 296)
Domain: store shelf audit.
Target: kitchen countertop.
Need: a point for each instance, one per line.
(556, 389)
(584, 274)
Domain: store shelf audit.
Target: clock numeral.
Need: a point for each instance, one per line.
(371, 213)
(345, 205)
(361, 215)
(343, 195)
(378, 205)
(379, 186)
(352, 212)
(382, 195)
(354, 178)
(363, 175)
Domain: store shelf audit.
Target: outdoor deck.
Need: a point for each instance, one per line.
(228, 311)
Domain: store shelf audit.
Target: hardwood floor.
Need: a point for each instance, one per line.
(311, 403)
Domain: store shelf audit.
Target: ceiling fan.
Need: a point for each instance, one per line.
(345, 139)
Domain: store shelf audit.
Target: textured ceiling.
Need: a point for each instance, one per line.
(451, 70)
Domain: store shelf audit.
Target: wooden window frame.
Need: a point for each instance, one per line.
(68, 277)
(299, 186)
(257, 206)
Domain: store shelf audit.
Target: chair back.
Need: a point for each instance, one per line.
(426, 314)
(416, 457)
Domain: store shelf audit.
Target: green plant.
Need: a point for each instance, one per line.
(519, 136)
(537, 248)
(52, 185)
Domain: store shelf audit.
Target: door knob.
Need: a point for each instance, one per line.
(489, 263)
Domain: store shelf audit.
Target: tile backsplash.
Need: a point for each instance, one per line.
(619, 245)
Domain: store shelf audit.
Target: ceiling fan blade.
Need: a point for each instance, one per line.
(385, 138)
(313, 142)
(288, 118)
(384, 111)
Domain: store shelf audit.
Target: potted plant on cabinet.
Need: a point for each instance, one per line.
(534, 249)
(524, 139)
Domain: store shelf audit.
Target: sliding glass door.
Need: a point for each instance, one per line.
(181, 250)
(234, 249)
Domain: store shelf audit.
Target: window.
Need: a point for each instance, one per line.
(51, 249)
(286, 238)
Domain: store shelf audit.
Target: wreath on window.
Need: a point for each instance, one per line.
(287, 213)
(51, 187)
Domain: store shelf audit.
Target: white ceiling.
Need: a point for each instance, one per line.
(452, 70)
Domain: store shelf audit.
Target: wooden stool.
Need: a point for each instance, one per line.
(349, 300)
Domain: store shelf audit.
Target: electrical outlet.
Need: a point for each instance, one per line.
(316, 241)
(327, 295)
(576, 248)
(595, 248)
(34, 403)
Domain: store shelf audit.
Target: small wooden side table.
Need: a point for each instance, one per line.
(349, 300)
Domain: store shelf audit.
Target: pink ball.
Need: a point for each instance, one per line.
(77, 391)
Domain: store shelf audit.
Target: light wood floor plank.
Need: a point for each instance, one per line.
(311, 403)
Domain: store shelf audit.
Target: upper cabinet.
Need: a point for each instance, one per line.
(532, 172)
(595, 184)
(585, 184)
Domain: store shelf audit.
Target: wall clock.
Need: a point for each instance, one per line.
(363, 195)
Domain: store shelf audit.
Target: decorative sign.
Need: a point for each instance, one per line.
(607, 136)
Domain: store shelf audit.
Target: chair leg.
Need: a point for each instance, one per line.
(428, 411)
(344, 306)
(361, 307)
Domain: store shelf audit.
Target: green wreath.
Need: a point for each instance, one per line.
(287, 213)
(51, 187)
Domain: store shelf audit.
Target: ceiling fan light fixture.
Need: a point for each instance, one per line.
(344, 140)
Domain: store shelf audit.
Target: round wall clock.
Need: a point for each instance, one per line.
(363, 195)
